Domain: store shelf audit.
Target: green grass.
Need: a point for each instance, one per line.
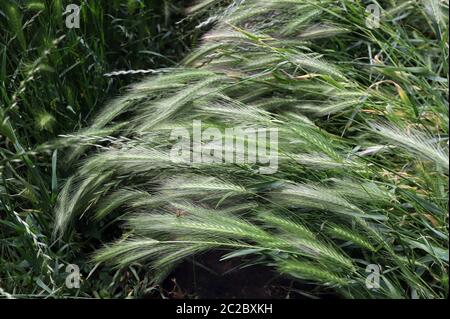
(362, 115)
(52, 80)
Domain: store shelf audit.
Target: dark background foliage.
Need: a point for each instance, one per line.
(52, 80)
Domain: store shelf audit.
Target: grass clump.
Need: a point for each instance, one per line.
(362, 115)
(362, 178)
